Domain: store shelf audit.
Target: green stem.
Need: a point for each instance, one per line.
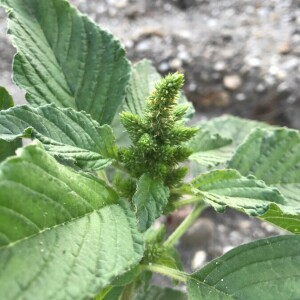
(128, 292)
(185, 225)
(172, 273)
(184, 202)
(183, 190)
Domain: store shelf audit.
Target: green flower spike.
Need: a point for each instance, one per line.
(159, 135)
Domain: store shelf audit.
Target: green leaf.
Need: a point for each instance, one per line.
(218, 139)
(60, 230)
(142, 82)
(6, 100)
(222, 188)
(266, 269)
(110, 293)
(159, 293)
(150, 199)
(120, 133)
(64, 58)
(210, 149)
(7, 148)
(66, 134)
(233, 128)
(274, 157)
(127, 277)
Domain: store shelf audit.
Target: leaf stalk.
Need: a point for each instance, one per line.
(185, 225)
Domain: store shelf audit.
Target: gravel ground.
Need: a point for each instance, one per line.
(239, 57)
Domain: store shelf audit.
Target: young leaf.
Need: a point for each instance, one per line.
(159, 293)
(274, 157)
(150, 199)
(64, 235)
(264, 269)
(7, 148)
(66, 134)
(66, 59)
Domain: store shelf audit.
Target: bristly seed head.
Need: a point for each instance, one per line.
(159, 135)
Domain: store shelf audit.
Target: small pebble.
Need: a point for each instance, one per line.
(241, 97)
(232, 82)
(284, 48)
(198, 259)
(175, 64)
(260, 88)
(163, 67)
(220, 66)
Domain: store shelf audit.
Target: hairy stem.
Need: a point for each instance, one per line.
(169, 272)
(183, 190)
(194, 200)
(185, 225)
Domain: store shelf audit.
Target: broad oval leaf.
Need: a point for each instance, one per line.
(7, 148)
(266, 269)
(150, 199)
(274, 157)
(66, 134)
(64, 58)
(59, 230)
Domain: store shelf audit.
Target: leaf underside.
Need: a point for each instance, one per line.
(223, 188)
(64, 58)
(228, 188)
(64, 235)
(217, 141)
